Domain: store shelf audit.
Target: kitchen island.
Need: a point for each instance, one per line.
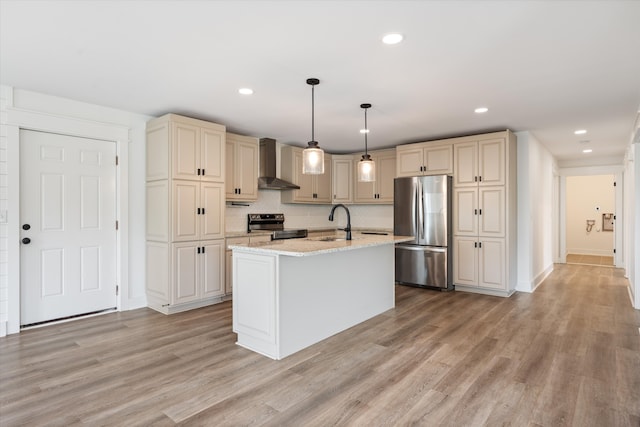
(290, 294)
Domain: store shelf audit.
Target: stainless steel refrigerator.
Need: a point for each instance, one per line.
(422, 208)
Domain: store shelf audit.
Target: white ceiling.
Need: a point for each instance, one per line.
(542, 66)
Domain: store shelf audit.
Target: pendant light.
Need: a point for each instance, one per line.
(366, 166)
(312, 156)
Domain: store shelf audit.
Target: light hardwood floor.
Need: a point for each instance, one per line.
(569, 354)
(590, 259)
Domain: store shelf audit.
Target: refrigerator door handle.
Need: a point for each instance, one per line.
(421, 212)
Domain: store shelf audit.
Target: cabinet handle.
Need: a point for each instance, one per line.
(198, 211)
(480, 245)
(475, 211)
(475, 179)
(239, 190)
(198, 249)
(198, 171)
(203, 249)
(478, 211)
(480, 178)
(475, 244)
(202, 211)
(202, 172)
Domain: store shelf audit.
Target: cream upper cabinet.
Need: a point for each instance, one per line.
(480, 162)
(425, 158)
(315, 189)
(185, 148)
(379, 191)
(342, 169)
(242, 161)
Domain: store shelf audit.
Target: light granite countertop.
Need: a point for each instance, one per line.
(320, 245)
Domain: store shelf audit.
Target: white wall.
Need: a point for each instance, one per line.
(584, 195)
(45, 108)
(536, 168)
(632, 215)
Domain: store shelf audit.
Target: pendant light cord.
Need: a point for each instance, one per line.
(366, 131)
(313, 115)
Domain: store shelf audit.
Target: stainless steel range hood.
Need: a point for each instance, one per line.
(268, 179)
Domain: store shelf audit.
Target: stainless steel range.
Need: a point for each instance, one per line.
(274, 223)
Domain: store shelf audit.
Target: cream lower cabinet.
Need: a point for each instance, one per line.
(381, 190)
(185, 275)
(479, 263)
(199, 270)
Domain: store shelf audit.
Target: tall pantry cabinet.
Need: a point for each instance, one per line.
(185, 200)
(484, 213)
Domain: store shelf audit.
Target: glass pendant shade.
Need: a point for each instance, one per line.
(366, 169)
(366, 166)
(313, 160)
(312, 156)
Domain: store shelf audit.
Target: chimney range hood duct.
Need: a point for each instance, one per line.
(268, 179)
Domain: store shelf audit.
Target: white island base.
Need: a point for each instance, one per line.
(282, 303)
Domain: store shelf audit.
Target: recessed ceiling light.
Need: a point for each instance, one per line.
(245, 91)
(587, 150)
(580, 132)
(481, 110)
(392, 38)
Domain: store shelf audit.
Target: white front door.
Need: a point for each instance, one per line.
(67, 226)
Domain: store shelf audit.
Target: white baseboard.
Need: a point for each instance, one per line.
(532, 285)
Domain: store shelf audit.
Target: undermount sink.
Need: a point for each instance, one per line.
(327, 239)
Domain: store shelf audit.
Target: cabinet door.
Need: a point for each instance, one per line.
(211, 210)
(211, 265)
(491, 165)
(212, 159)
(364, 192)
(465, 211)
(492, 264)
(185, 151)
(186, 199)
(465, 164)
(342, 171)
(465, 261)
(385, 174)
(438, 160)
(323, 182)
(492, 222)
(246, 165)
(185, 276)
(228, 285)
(306, 182)
(230, 170)
(410, 161)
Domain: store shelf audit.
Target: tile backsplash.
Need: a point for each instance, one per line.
(308, 216)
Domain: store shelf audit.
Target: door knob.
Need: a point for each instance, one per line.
(26, 227)
(26, 240)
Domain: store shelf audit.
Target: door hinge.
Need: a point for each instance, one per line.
(614, 217)
(117, 160)
(614, 251)
(614, 183)
(117, 225)
(117, 290)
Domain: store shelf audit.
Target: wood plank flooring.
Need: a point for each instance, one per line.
(569, 354)
(589, 259)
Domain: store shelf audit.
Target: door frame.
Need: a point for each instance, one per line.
(618, 242)
(18, 119)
